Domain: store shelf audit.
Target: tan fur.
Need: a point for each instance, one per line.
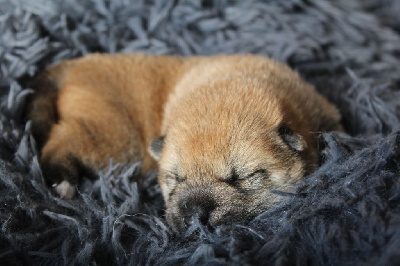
(235, 127)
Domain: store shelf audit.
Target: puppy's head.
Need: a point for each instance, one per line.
(226, 146)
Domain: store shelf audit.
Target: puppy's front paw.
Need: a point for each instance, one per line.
(64, 190)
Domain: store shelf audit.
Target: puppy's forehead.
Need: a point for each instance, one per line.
(222, 138)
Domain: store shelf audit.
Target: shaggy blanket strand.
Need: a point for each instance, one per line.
(346, 213)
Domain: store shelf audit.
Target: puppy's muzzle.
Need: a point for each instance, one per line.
(189, 207)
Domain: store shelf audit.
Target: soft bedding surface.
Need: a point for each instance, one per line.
(346, 213)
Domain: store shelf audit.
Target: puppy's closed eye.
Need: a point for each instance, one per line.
(261, 172)
(236, 179)
(172, 180)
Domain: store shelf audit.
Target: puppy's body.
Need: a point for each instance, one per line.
(233, 127)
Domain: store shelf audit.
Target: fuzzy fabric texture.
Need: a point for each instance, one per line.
(346, 213)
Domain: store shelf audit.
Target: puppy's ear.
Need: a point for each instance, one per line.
(292, 139)
(156, 147)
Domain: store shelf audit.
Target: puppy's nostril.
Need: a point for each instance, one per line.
(197, 210)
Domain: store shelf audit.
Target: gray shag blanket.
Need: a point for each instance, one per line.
(346, 213)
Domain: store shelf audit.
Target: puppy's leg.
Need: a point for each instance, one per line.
(41, 109)
(63, 158)
(73, 135)
(88, 110)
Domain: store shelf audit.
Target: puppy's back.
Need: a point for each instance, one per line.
(88, 110)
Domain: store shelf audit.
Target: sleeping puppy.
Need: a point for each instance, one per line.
(224, 130)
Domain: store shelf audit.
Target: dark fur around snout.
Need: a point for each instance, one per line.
(210, 203)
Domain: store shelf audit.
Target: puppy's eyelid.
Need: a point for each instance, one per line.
(235, 178)
(176, 177)
(179, 179)
(259, 171)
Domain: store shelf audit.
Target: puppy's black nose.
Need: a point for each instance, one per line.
(195, 207)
